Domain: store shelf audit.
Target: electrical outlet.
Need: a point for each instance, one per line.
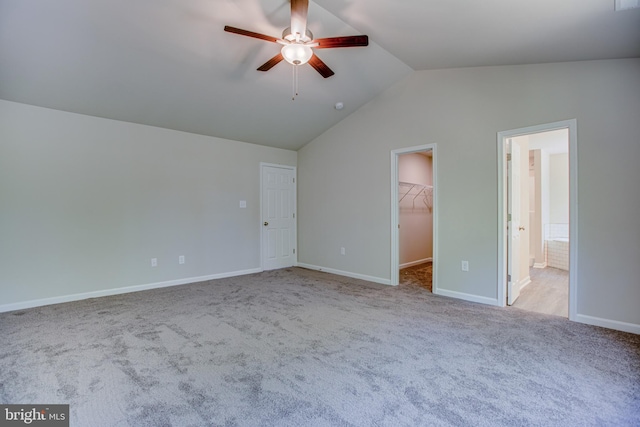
(343, 251)
(181, 259)
(465, 266)
(154, 262)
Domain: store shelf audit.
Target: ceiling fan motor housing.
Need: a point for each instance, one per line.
(286, 34)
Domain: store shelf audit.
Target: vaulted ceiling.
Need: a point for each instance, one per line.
(168, 63)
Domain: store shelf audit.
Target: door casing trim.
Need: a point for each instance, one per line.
(395, 214)
(502, 137)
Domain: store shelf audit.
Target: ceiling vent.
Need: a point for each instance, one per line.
(627, 4)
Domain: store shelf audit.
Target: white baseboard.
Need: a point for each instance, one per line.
(607, 323)
(540, 265)
(123, 290)
(466, 297)
(418, 262)
(346, 273)
(524, 282)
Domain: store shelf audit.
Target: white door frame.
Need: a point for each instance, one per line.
(395, 212)
(295, 210)
(572, 126)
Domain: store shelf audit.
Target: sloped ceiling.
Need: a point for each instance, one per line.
(168, 63)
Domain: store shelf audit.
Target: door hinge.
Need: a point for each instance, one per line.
(294, 251)
(508, 217)
(508, 277)
(294, 180)
(294, 214)
(509, 157)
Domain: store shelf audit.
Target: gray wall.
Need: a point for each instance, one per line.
(87, 202)
(559, 188)
(346, 171)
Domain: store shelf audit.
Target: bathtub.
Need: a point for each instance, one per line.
(557, 250)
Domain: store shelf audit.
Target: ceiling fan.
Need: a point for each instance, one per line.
(298, 42)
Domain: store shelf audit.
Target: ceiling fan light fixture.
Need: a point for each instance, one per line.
(296, 53)
(298, 43)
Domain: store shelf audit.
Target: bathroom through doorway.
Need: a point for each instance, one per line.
(538, 221)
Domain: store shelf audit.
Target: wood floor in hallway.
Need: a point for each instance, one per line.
(547, 293)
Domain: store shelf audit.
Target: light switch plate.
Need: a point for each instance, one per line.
(243, 204)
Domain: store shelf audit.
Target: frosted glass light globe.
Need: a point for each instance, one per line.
(296, 54)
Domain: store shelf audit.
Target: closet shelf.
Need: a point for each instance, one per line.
(416, 190)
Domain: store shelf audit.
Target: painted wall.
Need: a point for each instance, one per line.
(415, 217)
(537, 230)
(87, 202)
(559, 188)
(346, 171)
(533, 230)
(544, 199)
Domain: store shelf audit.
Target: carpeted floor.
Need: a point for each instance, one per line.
(295, 347)
(418, 275)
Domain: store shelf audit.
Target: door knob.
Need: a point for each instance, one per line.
(266, 223)
(521, 228)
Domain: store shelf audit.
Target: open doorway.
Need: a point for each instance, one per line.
(546, 256)
(538, 218)
(414, 217)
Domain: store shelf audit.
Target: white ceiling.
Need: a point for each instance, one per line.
(169, 63)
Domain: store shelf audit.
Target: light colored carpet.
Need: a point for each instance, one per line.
(295, 347)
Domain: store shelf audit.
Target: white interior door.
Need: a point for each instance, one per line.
(278, 217)
(513, 221)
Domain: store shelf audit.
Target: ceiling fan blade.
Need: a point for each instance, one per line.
(320, 66)
(271, 63)
(299, 9)
(250, 34)
(346, 41)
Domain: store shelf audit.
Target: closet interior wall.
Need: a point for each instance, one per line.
(415, 194)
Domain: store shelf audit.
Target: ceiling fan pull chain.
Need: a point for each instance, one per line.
(295, 83)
